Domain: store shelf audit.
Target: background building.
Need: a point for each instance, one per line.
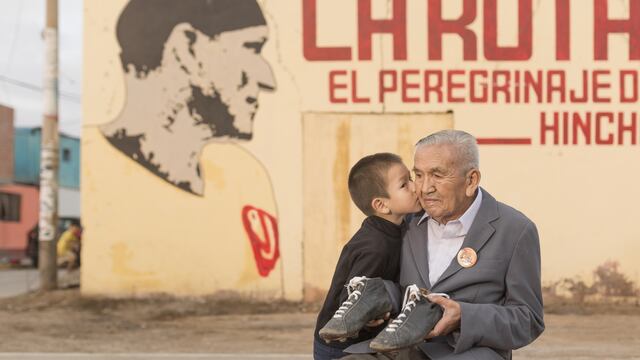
(19, 193)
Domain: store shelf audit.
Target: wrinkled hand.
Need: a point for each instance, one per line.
(378, 322)
(450, 318)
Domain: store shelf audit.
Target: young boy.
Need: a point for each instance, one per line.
(381, 187)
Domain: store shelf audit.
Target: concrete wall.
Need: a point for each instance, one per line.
(6, 144)
(69, 203)
(189, 187)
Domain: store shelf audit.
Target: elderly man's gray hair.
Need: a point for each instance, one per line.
(465, 144)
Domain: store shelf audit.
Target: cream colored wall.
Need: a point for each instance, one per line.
(145, 236)
(581, 197)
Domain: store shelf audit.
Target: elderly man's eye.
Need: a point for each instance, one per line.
(256, 46)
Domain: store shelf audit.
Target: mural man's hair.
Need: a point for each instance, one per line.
(145, 25)
(368, 179)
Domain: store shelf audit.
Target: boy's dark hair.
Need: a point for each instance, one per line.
(368, 179)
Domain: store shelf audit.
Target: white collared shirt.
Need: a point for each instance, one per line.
(445, 240)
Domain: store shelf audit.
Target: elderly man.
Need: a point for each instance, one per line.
(484, 254)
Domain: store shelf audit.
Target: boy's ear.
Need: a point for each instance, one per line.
(379, 205)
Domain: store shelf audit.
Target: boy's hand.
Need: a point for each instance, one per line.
(378, 322)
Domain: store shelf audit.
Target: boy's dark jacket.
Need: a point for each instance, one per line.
(373, 251)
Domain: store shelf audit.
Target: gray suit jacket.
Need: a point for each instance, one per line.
(500, 297)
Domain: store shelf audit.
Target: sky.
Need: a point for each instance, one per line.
(22, 61)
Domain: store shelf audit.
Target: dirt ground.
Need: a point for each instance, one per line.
(63, 321)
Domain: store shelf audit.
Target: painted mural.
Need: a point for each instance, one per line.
(192, 76)
(193, 73)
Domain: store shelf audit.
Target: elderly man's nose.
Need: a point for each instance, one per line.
(427, 186)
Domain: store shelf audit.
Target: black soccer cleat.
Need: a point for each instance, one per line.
(368, 300)
(416, 320)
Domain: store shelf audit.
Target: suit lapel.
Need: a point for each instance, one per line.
(419, 250)
(479, 233)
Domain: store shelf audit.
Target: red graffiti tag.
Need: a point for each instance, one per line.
(262, 229)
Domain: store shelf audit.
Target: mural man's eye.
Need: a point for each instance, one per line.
(256, 46)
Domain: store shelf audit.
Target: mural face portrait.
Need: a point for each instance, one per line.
(226, 83)
(193, 74)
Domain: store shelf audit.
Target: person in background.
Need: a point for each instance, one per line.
(68, 247)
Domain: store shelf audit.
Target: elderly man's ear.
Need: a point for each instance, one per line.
(180, 48)
(472, 182)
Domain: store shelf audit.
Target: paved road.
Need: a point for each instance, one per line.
(19, 281)
(162, 356)
(16, 282)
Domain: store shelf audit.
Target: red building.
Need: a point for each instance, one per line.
(19, 213)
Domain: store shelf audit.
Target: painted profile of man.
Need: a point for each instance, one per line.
(193, 70)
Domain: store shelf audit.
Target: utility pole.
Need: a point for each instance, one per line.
(49, 155)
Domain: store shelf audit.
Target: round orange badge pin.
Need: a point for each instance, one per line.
(467, 257)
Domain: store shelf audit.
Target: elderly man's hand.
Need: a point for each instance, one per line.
(450, 318)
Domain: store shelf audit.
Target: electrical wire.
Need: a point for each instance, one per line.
(75, 98)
